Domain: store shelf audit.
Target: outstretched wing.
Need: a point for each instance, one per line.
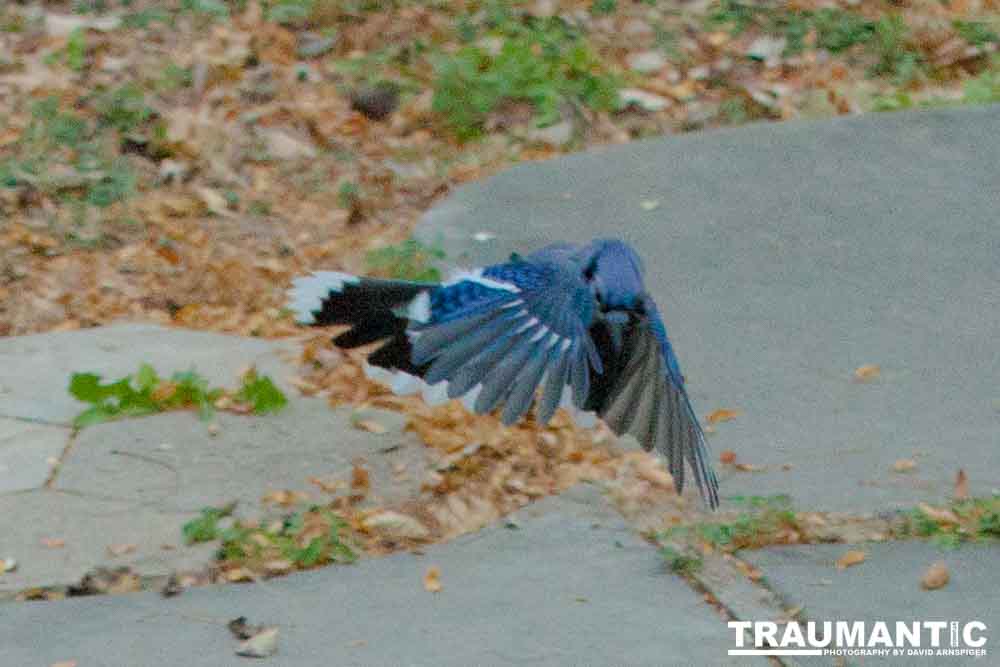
(507, 330)
(642, 394)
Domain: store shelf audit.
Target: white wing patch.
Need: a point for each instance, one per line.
(307, 292)
(477, 276)
(417, 310)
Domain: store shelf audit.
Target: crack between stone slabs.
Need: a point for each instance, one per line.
(147, 583)
(703, 585)
(32, 420)
(50, 479)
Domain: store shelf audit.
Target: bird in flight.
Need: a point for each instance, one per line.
(572, 319)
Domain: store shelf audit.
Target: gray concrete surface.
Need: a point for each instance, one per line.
(572, 585)
(28, 452)
(886, 587)
(783, 257)
(170, 461)
(86, 527)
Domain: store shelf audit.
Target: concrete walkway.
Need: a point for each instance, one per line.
(783, 256)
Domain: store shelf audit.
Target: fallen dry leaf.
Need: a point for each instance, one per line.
(396, 524)
(53, 543)
(432, 580)
(727, 457)
(360, 481)
(284, 497)
(121, 549)
(867, 373)
(850, 559)
(935, 577)
(747, 467)
(723, 415)
(937, 514)
(64, 663)
(961, 485)
(370, 426)
(904, 465)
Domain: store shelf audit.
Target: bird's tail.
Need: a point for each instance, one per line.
(376, 309)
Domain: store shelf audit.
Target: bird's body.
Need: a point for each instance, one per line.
(568, 317)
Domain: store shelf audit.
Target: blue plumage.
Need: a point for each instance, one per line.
(567, 319)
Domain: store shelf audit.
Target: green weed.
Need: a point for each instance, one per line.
(680, 562)
(542, 62)
(963, 521)
(146, 393)
(895, 59)
(216, 9)
(976, 33)
(409, 260)
(303, 539)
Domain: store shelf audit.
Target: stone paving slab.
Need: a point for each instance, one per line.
(784, 256)
(87, 527)
(28, 452)
(35, 370)
(886, 587)
(171, 462)
(572, 585)
(137, 481)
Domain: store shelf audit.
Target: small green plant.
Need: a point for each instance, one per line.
(409, 260)
(216, 9)
(984, 88)
(542, 62)
(301, 540)
(835, 29)
(74, 53)
(838, 30)
(950, 527)
(146, 393)
(768, 520)
(680, 562)
(737, 15)
(348, 195)
(123, 108)
(205, 527)
(895, 59)
(147, 17)
(601, 7)
(734, 111)
(289, 12)
(97, 177)
(976, 33)
(259, 391)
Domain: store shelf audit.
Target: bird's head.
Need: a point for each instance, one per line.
(614, 271)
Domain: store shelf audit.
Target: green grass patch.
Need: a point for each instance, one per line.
(63, 153)
(983, 88)
(976, 33)
(972, 520)
(409, 260)
(768, 520)
(145, 393)
(680, 560)
(544, 62)
(299, 540)
(891, 47)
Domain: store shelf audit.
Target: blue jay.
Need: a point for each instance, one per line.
(574, 318)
